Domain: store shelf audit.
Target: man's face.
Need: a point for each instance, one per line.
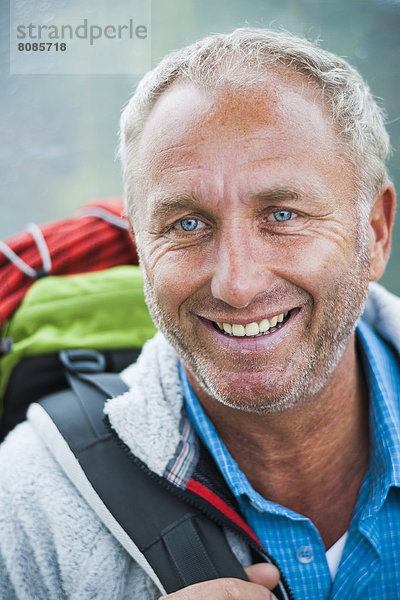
(246, 215)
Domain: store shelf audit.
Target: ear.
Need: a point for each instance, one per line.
(381, 225)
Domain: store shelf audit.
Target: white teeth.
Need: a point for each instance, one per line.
(238, 330)
(252, 329)
(264, 325)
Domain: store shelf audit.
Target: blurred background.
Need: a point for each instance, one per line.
(60, 132)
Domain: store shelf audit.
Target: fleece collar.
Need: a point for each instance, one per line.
(151, 417)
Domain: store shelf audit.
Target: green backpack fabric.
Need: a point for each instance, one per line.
(101, 310)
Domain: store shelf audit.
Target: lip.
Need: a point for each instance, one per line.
(252, 344)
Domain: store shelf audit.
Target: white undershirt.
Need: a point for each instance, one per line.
(334, 554)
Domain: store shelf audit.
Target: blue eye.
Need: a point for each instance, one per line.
(189, 224)
(282, 215)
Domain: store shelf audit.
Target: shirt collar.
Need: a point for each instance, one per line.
(381, 368)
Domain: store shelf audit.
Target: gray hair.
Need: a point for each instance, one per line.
(242, 58)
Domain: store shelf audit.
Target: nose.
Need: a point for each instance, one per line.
(240, 271)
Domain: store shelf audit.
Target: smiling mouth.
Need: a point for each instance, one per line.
(256, 328)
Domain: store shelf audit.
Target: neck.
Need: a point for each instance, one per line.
(311, 459)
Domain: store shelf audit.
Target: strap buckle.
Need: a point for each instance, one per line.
(80, 360)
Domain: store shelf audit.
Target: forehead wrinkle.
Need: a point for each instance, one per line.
(172, 148)
(180, 169)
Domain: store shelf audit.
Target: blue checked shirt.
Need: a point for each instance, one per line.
(370, 564)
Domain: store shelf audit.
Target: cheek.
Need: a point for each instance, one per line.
(170, 267)
(173, 279)
(317, 263)
(168, 291)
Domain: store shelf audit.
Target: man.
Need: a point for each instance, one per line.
(255, 181)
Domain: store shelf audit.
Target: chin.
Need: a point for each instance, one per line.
(257, 398)
(265, 395)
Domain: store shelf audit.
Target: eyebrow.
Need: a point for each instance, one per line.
(278, 194)
(170, 205)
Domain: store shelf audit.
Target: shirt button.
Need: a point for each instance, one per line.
(304, 554)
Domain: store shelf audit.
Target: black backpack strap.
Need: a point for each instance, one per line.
(37, 376)
(173, 541)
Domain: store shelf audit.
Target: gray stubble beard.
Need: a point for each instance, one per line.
(329, 346)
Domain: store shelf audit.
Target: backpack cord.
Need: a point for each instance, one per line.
(104, 215)
(37, 235)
